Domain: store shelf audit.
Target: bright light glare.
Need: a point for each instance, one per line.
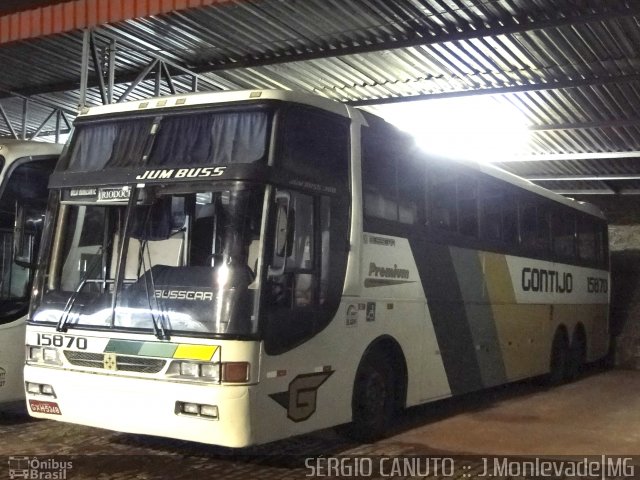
(481, 128)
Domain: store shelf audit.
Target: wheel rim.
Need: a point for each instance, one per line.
(374, 394)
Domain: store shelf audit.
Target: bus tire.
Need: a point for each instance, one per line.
(577, 355)
(559, 362)
(373, 400)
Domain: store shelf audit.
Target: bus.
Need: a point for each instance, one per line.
(25, 167)
(235, 268)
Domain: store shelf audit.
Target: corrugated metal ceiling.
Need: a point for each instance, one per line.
(571, 66)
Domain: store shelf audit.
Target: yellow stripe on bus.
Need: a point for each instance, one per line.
(522, 329)
(195, 352)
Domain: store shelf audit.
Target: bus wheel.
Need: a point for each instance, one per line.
(559, 360)
(577, 356)
(373, 399)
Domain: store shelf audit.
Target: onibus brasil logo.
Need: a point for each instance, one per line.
(38, 468)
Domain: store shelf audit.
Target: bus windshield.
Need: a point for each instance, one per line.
(178, 258)
(25, 187)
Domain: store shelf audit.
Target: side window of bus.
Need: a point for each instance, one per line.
(379, 182)
(294, 255)
(411, 175)
(315, 144)
(587, 240)
(543, 241)
(305, 275)
(528, 221)
(392, 176)
(491, 203)
(564, 235)
(510, 219)
(468, 206)
(442, 199)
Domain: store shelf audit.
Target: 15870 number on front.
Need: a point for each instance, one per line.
(66, 341)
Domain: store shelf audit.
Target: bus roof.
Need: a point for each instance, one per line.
(508, 177)
(14, 149)
(198, 99)
(532, 187)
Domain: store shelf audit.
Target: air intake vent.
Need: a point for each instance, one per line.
(124, 363)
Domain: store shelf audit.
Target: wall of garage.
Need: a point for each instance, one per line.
(623, 213)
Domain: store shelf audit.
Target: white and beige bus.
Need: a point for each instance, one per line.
(25, 167)
(239, 267)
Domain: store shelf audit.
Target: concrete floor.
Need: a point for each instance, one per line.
(598, 414)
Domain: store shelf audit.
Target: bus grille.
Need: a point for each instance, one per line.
(125, 363)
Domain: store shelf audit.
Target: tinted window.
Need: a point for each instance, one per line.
(26, 186)
(442, 199)
(378, 179)
(587, 240)
(212, 138)
(410, 188)
(315, 144)
(563, 228)
(543, 240)
(510, 219)
(528, 225)
(491, 197)
(468, 206)
(392, 175)
(27, 183)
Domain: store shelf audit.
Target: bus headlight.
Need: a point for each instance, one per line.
(208, 372)
(229, 372)
(188, 369)
(34, 354)
(49, 356)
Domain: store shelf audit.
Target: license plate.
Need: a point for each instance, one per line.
(38, 406)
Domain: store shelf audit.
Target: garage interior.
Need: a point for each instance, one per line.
(570, 67)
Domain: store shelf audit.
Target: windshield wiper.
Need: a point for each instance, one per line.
(64, 318)
(158, 326)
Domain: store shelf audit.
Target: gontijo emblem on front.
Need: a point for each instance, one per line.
(109, 362)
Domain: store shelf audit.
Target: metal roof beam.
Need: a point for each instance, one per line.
(610, 11)
(628, 191)
(532, 87)
(129, 77)
(561, 19)
(89, 81)
(7, 120)
(571, 156)
(589, 178)
(623, 122)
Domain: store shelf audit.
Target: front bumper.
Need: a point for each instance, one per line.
(145, 406)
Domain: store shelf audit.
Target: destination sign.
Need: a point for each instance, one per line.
(116, 194)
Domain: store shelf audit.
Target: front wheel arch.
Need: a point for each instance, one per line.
(382, 368)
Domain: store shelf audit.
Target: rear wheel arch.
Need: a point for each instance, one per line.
(577, 352)
(580, 335)
(559, 356)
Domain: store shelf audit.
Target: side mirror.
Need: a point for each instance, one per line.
(26, 235)
(283, 241)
